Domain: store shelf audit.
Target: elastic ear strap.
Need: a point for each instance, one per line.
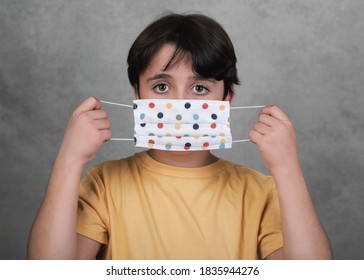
(121, 139)
(123, 105)
(118, 104)
(247, 107)
(242, 140)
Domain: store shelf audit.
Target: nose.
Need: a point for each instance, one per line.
(181, 92)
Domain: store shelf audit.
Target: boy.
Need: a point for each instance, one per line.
(163, 204)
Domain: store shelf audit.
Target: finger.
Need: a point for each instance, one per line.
(106, 134)
(268, 120)
(274, 111)
(261, 128)
(90, 103)
(97, 114)
(255, 136)
(102, 124)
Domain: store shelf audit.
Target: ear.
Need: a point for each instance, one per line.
(230, 96)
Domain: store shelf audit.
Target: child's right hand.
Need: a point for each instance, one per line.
(87, 129)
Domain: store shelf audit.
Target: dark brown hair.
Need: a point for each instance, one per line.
(211, 50)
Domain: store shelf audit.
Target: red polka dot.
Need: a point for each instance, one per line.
(178, 137)
(151, 142)
(206, 144)
(151, 105)
(160, 125)
(205, 106)
(213, 125)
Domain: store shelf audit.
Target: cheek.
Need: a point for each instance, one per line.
(218, 92)
(144, 92)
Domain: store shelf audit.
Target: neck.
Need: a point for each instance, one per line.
(190, 159)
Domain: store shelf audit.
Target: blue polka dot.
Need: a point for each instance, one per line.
(168, 146)
(222, 146)
(196, 117)
(142, 116)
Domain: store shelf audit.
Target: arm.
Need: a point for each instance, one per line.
(303, 235)
(53, 235)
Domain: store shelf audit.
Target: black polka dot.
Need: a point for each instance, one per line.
(187, 105)
(196, 126)
(214, 116)
(135, 106)
(135, 140)
(188, 145)
(160, 115)
(142, 124)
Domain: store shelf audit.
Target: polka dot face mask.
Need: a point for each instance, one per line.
(182, 125)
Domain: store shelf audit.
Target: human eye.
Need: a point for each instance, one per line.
(200, 89)
(160, 88)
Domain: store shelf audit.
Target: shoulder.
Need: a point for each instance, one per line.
(250, 178)
(111, 167)
(248, 173)
(109, 173)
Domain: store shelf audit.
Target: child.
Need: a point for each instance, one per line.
(167, 204)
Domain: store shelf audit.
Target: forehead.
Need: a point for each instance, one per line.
(162, 58)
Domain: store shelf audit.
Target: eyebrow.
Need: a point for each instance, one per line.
(159, 76)
(202, 78)
(194, 77)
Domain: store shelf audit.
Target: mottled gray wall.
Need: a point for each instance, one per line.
(305, 56)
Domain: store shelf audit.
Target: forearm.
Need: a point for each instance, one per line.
(303, 234)
(53, 235)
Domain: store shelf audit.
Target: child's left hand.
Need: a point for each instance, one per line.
(274, 135)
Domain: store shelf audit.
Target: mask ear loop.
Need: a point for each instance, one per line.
(245, 107)
(123, 105)
(118, 104)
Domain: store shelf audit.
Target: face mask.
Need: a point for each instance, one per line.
(182, 125)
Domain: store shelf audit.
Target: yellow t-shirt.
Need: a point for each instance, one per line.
(142, 209)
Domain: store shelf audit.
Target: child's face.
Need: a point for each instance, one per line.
(178, 82)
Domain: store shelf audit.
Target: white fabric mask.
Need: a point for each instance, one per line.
(178, 125)
(182, 125)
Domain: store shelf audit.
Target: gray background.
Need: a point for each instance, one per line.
(305, 56)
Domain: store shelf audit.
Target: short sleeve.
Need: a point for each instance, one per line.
(92, 218)
(270, 232)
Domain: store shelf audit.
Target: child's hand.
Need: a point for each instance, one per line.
(87, 129)
(275, 137)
